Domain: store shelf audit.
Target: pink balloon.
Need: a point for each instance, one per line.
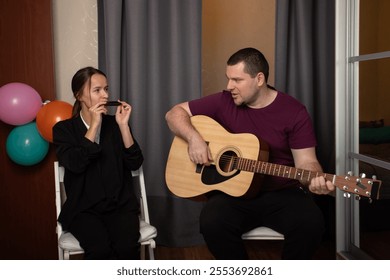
(19, 103)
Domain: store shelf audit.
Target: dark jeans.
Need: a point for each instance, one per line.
(109, 235)
(291, 212)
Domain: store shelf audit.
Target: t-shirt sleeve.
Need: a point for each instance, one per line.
(208, 105)
(302, 133)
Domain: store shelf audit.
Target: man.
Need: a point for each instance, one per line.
(285, 205)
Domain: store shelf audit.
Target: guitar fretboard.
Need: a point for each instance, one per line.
(273, 169)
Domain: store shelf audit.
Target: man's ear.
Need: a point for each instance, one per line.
(260, 78)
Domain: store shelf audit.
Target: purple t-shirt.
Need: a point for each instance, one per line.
(285, 124)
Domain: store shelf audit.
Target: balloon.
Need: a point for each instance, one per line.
(25, 146)
(51, 113)
(19, 103)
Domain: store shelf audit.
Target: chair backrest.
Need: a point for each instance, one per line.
(140, 188)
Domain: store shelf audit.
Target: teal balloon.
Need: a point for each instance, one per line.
(25, 145)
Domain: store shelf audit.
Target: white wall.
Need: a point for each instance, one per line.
(75, 41)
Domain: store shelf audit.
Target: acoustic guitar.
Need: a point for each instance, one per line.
(239, 164)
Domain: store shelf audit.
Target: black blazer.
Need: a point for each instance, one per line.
(94, 172)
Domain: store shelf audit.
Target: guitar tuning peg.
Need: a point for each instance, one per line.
(347, 195)
(350, 173)
(357, 197)
(374, 177)
(370, 200)
(363, 175)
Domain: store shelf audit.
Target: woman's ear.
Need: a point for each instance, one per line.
(77, 96)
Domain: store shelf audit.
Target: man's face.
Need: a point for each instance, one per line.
(244, 88)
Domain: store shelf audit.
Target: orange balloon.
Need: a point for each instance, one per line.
(49, 115)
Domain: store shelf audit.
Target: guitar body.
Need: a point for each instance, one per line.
(188, 180)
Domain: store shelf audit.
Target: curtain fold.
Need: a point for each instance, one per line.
(151, 53)
(305, 67)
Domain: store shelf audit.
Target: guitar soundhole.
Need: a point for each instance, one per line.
(223, 170)
(227, 162)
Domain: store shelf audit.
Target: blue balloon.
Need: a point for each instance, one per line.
(25, 145)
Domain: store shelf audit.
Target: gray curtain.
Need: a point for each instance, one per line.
(151, 52)
(304, 65)
(305, 69)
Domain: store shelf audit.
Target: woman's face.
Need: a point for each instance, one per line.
(95, 91)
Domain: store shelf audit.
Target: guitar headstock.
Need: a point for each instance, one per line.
(361, 186)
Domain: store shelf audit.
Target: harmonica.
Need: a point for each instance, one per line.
(112, 103)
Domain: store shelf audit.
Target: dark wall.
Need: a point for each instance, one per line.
(27, 208)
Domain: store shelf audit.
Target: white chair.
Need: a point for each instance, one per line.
(262, 233)
(68, 244)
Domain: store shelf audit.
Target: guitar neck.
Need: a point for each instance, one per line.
(273, 169)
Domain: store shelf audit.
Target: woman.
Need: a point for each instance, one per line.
(98, 152)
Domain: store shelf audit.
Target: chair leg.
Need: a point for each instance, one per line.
(151, 252)
(60, 254)
(142, 252)
(66, 255)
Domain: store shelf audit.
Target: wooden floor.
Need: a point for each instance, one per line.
(257, 250)
(376, 244)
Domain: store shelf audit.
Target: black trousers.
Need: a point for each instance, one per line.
(108, 235)
(291, 212)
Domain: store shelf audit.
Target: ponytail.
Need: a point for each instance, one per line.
(76, 108)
